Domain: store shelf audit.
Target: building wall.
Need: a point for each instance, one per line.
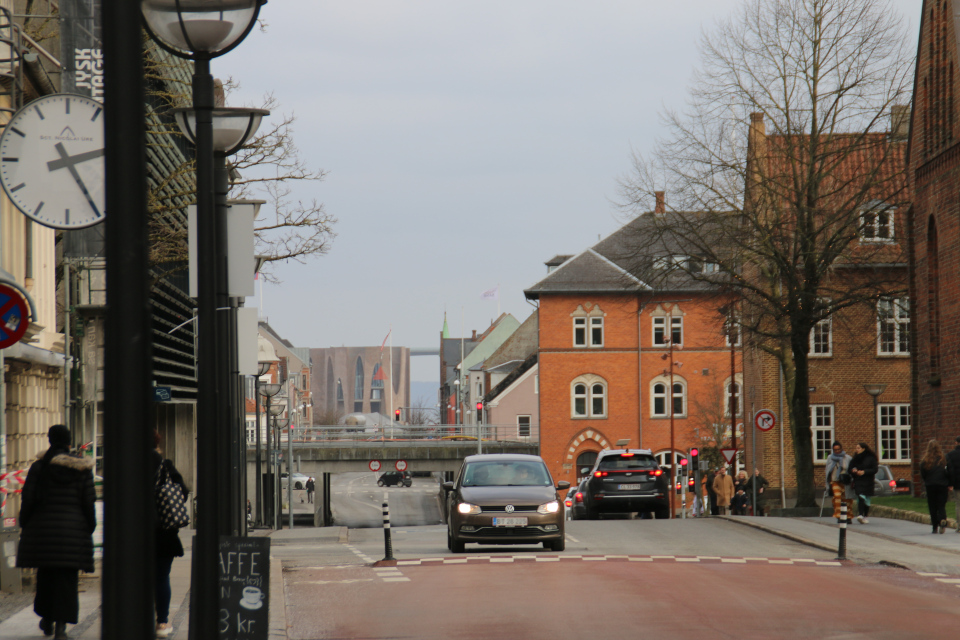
(331, 364)
(522, 399)
(628, 363)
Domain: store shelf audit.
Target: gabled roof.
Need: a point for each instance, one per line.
(505, 384)
(518, 347)
(587, 272)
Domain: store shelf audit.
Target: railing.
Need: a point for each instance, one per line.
(435, 434)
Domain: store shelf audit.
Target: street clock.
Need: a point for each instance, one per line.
(51, 161)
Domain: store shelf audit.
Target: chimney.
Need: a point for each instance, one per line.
(756, 160)
(474, 338)
(900, 121)
(661, 206)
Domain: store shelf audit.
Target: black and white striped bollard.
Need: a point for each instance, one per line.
(388, 545)
(842, 548)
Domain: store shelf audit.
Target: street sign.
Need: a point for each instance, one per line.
(374, 465)
(765, 420)
(14, 317)
(401, 465)
(729, 455)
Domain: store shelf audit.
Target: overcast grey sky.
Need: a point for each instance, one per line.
(467, 142)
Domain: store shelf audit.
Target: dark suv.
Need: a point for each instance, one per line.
(395, 478)
(626, 481)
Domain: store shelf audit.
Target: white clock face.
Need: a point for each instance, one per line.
(51, 161)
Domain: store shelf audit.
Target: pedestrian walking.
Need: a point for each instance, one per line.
(839, 480)
(740, 502)
(711, 494)
(760, 483)
(167, 545)
(57, 519)
(933, 471)
(953, 469)
(311, 487)
(863, 468)
(723, 487)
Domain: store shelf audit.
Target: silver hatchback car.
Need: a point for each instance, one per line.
(504, 499)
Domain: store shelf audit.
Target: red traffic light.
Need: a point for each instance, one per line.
(694, 451)
(479, 406)
(397, 414)
(683, 462)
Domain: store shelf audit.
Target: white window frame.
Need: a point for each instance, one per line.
(726, 334)
(660, 324)
(824, 326)
(595, 323)
(669, 396)
(590, 382)
(580, 332)
(894, 419)
(822, 429)
(872, 227)
(662, 459)
(726, 389)
(521, 426)
(896, 312)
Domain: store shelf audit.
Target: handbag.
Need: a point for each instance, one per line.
(171, 505)
(846, 478)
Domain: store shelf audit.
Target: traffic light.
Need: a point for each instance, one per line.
(397, 415)
(479, 412)
(695, 458)
(683, 465)
(691, 485)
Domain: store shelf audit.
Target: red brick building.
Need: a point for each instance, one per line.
(934, 167)
(605, 356)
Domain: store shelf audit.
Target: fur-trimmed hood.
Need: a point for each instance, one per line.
(70, 462)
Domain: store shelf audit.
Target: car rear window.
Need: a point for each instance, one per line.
(619, 463)
(506, 474)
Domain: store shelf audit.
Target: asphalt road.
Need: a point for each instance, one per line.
(616, 579)
(357, 501)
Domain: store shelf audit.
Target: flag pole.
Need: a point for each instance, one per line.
(390, 389)
(498, 299)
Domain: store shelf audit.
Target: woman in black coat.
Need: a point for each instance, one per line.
(167, 546)
(863, 468)
(57, 519)
(933, 470)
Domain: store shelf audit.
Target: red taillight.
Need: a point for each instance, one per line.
(626, 455)
(568, 503)
(658, 472)
(600, 474)
(579, 496)
(893, 483)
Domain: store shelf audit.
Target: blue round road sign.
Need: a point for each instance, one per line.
(14, 317)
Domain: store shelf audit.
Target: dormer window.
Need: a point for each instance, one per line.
(877, 223)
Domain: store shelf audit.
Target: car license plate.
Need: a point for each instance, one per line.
(901, 490)
(509, 522)
(630, 487)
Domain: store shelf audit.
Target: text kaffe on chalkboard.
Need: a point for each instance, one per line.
(244, 588)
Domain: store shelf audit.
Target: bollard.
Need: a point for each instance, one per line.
(388, 545)
(842, 548)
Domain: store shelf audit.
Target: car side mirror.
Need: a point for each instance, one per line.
(563, 485)
(447, 486)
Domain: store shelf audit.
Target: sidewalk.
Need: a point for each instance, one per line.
(888, 541)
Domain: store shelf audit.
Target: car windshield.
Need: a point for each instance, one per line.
(513, 473)
(627, 463)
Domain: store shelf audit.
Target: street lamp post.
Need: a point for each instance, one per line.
(275, 411)
(200, 30)
(266, 356)
(268, 390)
(875, 390)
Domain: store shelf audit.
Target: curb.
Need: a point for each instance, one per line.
(783, 534)
(882, 511)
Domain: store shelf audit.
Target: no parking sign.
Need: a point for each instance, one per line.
(13, 316)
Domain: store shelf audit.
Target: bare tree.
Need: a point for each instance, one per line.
(777, 218)
(422, 412)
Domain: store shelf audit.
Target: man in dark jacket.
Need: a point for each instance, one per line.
(57, 519)
(953, 470)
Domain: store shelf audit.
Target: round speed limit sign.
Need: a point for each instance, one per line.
(401, 465)
(374, 465)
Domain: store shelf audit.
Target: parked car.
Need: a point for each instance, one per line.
(395, 478)
(299, 480)
(574, 501)
(626, 481)
(885, 485)
(503, 498)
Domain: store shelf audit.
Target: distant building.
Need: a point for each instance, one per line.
(359, 380)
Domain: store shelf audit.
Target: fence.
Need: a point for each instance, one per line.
(450, 433)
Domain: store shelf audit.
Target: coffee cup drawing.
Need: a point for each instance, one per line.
(252, 598)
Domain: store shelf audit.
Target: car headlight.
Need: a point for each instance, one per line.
(550, 507)
(468, 509)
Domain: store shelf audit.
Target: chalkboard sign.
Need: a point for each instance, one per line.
(244, 588)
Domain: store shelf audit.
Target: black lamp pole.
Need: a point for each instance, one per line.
(127, 604)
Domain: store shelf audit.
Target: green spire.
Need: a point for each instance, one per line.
(446, 330)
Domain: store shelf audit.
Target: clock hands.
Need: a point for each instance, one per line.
(70, 163)
(66, 160)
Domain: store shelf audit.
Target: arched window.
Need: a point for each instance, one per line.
(665, 400)
(358, 388)
(376, 383)
(734, 394)
(588, 394)
(663, 458)
(585, 462)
